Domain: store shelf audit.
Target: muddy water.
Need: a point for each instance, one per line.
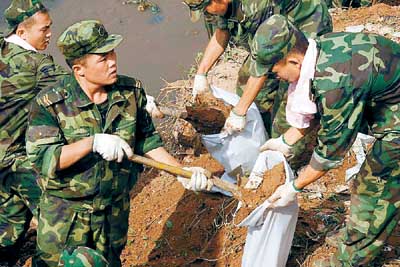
(154, 47)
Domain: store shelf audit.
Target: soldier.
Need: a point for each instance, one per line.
(79, 132)
(353, 78)
(239, 21)
(23, 72)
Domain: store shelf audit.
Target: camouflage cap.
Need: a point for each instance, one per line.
(20, 10)
(82, 257)
(196, 8)
(273, 40)
(86, 37)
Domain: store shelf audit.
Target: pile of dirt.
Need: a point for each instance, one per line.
(208, 113)
(252, 198)
(381, 19)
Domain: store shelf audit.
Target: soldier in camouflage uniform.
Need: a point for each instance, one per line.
(238, 21)
(356, 81)
(79, 131)
(23, 72)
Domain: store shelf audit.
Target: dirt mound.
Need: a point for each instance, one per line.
(251, 199)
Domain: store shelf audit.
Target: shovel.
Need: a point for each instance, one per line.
(187, 174)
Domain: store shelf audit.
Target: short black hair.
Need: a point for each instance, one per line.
(301, 44)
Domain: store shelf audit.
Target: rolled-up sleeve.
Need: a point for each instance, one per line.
(341, 118)
(43, 140)
(147, 136)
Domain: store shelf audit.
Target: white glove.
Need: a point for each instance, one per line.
(283, 196)
(198, 181)
(200, 84)
(152, 108)
(111, 147)
(277, 144)
(234, 123)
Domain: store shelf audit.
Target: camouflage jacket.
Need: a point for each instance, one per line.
(63, 114)
(23, 73)
(357, 81)
(245, 16)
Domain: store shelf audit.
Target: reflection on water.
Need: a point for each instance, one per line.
(155, 47)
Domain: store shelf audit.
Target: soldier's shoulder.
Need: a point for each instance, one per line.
(53, 94)
(129, 82)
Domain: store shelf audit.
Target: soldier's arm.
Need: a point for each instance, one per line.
(45, 144)
(43, 140)
(341, 118)
(214, 50)
(162, 155)
(72, 153)
(341, 113)
(253, 87)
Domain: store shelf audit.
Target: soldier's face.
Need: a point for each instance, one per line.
(38, 33)
(288, 69)
(100, 69)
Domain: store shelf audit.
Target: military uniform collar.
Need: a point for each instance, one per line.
(80, 99)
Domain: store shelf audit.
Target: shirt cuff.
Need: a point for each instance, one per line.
(321, 164)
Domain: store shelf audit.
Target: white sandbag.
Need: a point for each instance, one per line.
(240, 149)
(270, 231)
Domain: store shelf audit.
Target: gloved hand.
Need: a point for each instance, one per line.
(200, 84)
(111, 147)
(234, 123)
(198, 181)
(283, 196)
(152, 108)
(278, 144)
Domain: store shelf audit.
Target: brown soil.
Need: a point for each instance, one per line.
(208, 114)
(251, 199)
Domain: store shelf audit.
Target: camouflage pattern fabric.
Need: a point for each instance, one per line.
(272, 42)
(82, 257)
(62, 115)
(103, 230)
(22, 74)
(86, 37)
(20, 10)
(374, 208)
(19, 198)
(357, 80)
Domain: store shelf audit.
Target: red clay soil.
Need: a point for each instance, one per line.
(208, 114)
(251, 199)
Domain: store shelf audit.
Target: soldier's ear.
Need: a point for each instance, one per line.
(21, 32)
(294, 60)
(78, 70)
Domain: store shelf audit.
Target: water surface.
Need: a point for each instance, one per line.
(154, 47)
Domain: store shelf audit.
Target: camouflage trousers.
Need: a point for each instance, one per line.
(19, 198)
(64, 224)
(271, 102)
(374, 209)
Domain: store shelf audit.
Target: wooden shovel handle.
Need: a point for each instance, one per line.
(185, 173)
